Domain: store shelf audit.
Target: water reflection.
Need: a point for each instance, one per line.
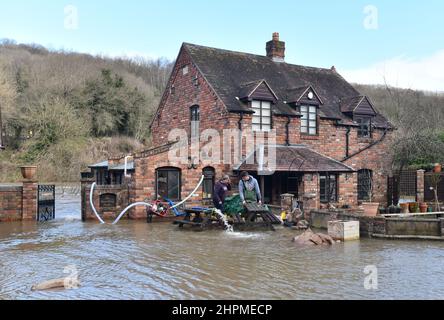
(134, 260)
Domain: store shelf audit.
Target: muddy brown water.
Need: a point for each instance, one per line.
(135, 260)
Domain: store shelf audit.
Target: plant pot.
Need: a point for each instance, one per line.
(414, 207)
(423, 207)
(28, 172)
(404, 207)
(370, 209)
(437, 168)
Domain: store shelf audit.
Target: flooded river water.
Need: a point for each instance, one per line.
(135, 260)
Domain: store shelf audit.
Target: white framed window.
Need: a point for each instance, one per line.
(309, 120)
(262, 115)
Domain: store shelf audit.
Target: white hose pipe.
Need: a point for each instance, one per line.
(191, 194)
(92, 203)
(130, 207)
(137, 203)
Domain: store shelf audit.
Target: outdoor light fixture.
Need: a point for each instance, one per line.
(191, 165)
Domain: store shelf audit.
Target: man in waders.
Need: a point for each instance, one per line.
(249, 190)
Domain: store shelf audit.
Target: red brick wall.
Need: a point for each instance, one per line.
(29, 207)
(10, 203)
(122, 201)
(175, 110)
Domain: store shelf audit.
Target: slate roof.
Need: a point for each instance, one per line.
(121, 167)
(117, 167)
(103, 164)
(228, 72)
(296, 158)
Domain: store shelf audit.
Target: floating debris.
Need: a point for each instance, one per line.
(311, 238)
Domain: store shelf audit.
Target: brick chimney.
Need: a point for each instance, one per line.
(276, 49)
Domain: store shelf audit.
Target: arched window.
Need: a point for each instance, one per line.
(195, 121)
(365, 184)
(168, 183)
(208, 184)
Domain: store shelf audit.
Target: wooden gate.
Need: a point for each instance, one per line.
(430, 181)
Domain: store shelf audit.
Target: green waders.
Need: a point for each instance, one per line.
(249, 196)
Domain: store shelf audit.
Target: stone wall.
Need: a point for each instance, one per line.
(416, 227)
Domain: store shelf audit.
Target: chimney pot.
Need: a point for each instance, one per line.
(276, 36)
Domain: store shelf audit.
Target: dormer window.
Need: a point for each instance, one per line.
(261, 116)
(309, 120)
(364, 129)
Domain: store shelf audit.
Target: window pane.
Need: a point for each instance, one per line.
(256, 127)
(312, 109)
(266, 120)
(303, 109)
(312, 131)
(173, 185)
(162, 184)
(266, 127)
(256, 104)
(304, 123)
(312, 124)
(266, 113)
(266, 105)
(312, 116)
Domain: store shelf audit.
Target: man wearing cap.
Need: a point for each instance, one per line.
(249, 189)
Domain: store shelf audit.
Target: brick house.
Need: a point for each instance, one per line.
(332, 145)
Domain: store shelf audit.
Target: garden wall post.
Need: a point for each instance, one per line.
(29, 200)
(420, 186)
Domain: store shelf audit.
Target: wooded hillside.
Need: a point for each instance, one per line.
(64, 110)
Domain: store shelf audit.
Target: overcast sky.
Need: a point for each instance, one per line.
(399, 42)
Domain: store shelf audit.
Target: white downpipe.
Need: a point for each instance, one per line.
(126, 166)
(92, 203)
(137, 203)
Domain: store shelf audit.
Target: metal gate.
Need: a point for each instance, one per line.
(402, 186)
(46, 203)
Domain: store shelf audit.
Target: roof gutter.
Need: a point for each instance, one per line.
(367, 147)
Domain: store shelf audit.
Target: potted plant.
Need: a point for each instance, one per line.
(370, 207)
(414, 207)
(404, 207)
(28, 172)
(423, 207)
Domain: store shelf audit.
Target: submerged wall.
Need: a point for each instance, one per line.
(417, 227)
(11, 203)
